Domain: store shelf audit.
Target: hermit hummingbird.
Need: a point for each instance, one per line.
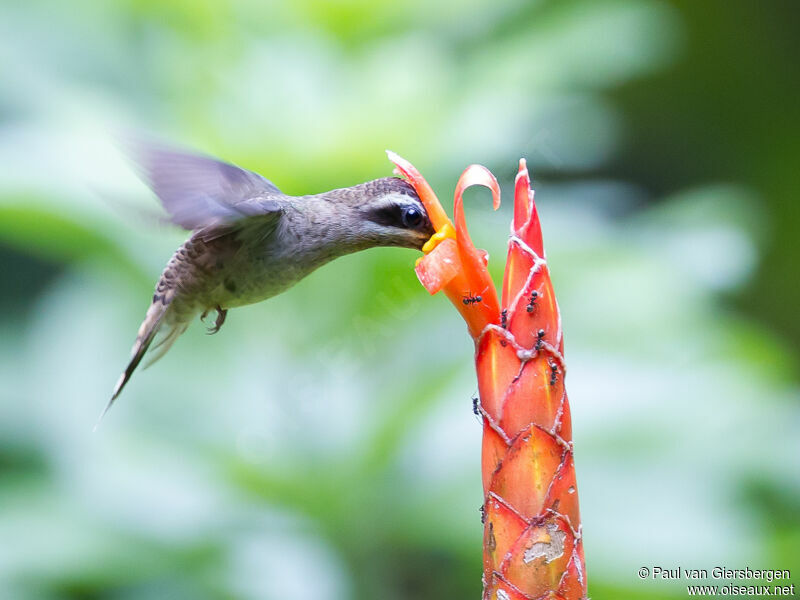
(250, 241)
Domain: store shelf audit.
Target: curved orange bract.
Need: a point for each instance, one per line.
(464, 278)
(473, 260)
(429, 200)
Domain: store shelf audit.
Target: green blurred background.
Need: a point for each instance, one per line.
(322, 445)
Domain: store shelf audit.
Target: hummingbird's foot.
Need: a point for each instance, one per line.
(221, 314)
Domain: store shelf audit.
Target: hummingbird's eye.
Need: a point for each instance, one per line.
(412, 217)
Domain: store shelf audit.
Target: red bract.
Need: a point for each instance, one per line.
(533, 547)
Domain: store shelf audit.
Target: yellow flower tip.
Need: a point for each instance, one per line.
(445, 231)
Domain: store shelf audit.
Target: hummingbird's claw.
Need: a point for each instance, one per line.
(221, 314)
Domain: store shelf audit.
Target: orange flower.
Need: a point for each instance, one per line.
(533, 545)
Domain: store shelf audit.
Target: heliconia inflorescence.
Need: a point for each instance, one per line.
(532, 544)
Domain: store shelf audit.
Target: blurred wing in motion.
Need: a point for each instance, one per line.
(200, 192)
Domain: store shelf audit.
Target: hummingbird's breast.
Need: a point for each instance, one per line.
(228, 272)
(246, 266)
(262, 266)
(250, 279)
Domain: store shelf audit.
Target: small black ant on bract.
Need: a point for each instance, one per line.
(482, 509)
(539, 339)
(475, 406)
(532, 302)
(553, 373)
(470, 299)
(504, 318)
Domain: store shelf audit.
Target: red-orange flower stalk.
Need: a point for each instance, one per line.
(533, 547)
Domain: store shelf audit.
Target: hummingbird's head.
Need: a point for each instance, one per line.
(391, 214)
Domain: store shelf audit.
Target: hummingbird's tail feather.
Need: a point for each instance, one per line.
(163, 345)
(147, 333)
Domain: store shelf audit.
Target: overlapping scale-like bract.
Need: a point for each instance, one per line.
(533, 548)
(532, 533)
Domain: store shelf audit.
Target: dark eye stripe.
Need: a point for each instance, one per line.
(389, 216)
(403, 216)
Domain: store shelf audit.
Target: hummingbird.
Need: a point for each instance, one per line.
(250, 241)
